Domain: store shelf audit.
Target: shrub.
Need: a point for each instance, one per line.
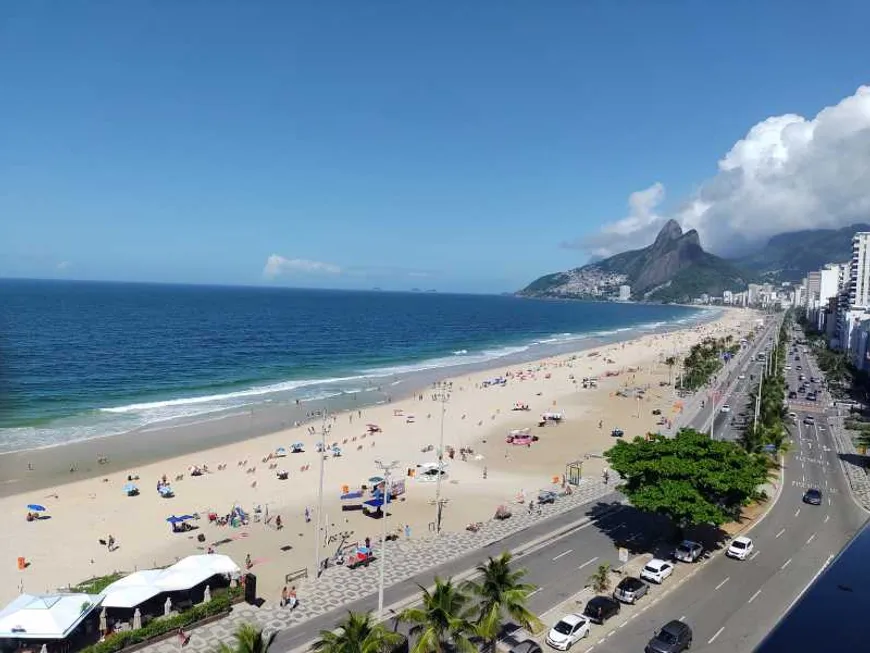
(220, 603)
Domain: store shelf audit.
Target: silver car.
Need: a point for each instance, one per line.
(630, 589)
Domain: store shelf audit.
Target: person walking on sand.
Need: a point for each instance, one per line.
(111, 543)
(284, 596)
(307, 515)
(248, 562)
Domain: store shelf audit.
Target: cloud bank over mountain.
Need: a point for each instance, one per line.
(787, 173)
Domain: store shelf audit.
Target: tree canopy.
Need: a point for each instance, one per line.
(690, 478)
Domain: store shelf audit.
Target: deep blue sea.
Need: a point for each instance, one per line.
(82, 359)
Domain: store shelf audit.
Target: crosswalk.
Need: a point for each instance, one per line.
(805, 485)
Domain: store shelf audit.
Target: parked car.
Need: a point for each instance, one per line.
(673, 637)
(809, 420)
(568, 631)
(793, 417)
(688, 551)
(792, 395)
(725, 408)
(656, 570)
(740, 548)
(527, 646)
(813, 496)
(617, 433)
(600, 608)
(811, 396)
(630, 589)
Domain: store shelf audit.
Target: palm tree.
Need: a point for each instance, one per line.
(358, 633)
(501, 594)
(670, 361)
(600, 580)
(442, 619)
(248, 639)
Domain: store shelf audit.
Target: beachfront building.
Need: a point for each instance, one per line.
(54, 622)
(624, 293)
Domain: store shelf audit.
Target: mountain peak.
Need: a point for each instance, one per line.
(670, 232)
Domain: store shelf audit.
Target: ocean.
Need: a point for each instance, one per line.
(87, 359)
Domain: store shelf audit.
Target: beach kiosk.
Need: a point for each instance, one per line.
(574, 472)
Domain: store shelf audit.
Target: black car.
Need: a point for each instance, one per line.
(813, 496)
(527, 646)
(600, 608)
(673, 637)
(792, 395)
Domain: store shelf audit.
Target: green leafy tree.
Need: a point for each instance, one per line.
(692, 479)
(442, 621)
(358, 633)
(501, 595)
(600, 579)
(248, 639)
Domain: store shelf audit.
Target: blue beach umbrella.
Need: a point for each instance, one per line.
(178, 520)
(35, 507)
(130, 487)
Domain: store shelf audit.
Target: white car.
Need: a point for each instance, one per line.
(788, 367)
(741, 377)
(568, 630)
(726, 408)
(740, 548)
(656, 570)
(793, 417)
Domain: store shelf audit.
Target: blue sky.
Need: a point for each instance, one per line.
(455, 146)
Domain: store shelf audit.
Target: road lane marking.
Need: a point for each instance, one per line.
(827, 517)
(780, 533)
(723, 582)
(752, 557)
(683, 618)
(562, 555)
(812, 537)
(718, 632)
(588, 562)
(829, 501)
(533, 592)
(754, 596)
(785, 564)
(797, 512)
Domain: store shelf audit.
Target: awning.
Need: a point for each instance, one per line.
(51, 616)
(132, 590)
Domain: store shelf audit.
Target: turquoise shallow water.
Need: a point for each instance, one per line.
(81, 359)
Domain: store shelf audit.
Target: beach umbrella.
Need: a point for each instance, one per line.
(206, 596)
(43, 649)
(130, 487)
(35, 507)
(104, 621)
(167, 607)
(137, 619)
(177, 520)
(376, 479)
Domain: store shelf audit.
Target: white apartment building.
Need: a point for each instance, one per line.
(859, 272)
(624, 293)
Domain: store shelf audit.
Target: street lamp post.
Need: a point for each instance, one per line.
(386, 469)
(443, 397)
(318, 526)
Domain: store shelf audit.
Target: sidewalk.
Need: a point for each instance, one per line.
(338, 586)
(859, 481)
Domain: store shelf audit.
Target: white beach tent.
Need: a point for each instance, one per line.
(51, 616)
(132, 590)
(193, 570)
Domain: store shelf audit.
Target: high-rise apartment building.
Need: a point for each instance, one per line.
(859, 271)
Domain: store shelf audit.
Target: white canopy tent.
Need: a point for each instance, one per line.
(137, 588)
(132, 590)
(45, 617)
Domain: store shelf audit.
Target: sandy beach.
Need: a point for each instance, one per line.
(64, 548)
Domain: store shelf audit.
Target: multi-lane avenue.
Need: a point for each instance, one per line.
(731, 605)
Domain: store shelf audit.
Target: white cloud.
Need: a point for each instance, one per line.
(277, 266)
(787, 173)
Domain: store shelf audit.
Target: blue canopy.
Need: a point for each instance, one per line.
(178, 520)
(375, 503)
(130, 487)
(35, 507)
(352, 495)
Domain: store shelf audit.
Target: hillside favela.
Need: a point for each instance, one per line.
(403, 328)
